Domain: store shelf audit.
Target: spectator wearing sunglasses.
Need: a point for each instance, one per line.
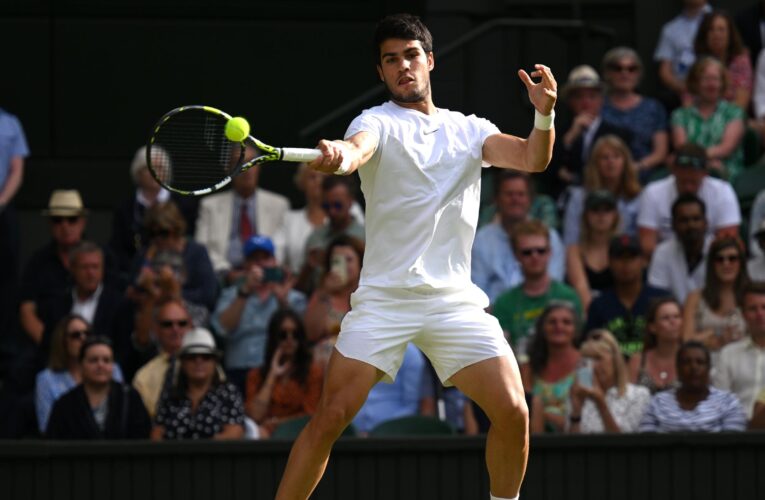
(99, 407)
(643, 116)
(171, 323)
(518, 309)
(337, 200)
(291, 237)
(200, 403)
(64, 370)
(173, 266)
(46, 274)
(244, 309)
(288, 385)
(712, 314)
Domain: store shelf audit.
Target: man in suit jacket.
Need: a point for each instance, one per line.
(103, 306)
(584, 94)
(226, 220)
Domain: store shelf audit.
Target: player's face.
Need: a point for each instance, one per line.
(405, 69)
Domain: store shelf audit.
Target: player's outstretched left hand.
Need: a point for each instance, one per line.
(543, 94)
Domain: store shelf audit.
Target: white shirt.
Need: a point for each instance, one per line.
(669, 269)
(627, 410)
(422, 188)
(290, 238)
(657, 198)
(741, 370)
(758, 96)
(86, 308)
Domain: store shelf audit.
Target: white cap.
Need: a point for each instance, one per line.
(198, 341)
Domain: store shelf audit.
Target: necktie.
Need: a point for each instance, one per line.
(245, 225)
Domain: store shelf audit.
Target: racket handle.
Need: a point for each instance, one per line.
(300, 154)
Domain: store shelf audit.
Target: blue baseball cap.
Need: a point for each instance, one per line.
(255, 243)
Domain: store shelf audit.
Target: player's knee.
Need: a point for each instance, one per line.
(331, 420)
(510, 412)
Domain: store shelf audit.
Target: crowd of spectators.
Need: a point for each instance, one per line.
(620, 276)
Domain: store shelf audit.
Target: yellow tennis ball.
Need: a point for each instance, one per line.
(237, 129)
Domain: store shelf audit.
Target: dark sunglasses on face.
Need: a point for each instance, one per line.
(618, 68)
(181, 323)
(726, 258)
(528, 252)
(337, 206)
(283, 334)
(160, 233)
(71, 219)
(195, 356)
(78, 334)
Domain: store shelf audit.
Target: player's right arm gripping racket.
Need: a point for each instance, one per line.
(189, 152)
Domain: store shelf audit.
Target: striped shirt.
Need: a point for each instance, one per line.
(720, 411)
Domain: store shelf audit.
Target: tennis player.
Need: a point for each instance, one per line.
(420, 169)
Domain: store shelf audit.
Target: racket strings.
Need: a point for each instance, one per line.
(190, 151)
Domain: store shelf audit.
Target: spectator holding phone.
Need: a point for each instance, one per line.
(244, 309)
(332, 299)
(288, 385)
(602, 399)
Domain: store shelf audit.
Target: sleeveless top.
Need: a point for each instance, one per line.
(554, 395)
(598, 280)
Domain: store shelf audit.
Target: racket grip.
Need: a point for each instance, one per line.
(300, 154)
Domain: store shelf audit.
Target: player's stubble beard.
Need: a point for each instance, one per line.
(417, 95)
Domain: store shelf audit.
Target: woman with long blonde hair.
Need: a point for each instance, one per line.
(609, 168)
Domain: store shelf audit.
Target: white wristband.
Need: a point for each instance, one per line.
(543, 122)
(344, 168)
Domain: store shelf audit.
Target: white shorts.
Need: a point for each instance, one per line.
(449, 326)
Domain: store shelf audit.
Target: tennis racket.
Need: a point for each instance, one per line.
(188, 152)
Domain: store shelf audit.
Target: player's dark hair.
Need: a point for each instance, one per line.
(688, 199)
(404, 27)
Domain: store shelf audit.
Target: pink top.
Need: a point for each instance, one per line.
(740, 73)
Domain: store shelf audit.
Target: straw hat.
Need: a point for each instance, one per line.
(65, 203)
(582, 77)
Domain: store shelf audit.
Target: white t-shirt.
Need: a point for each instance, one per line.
(657, 198)
(422, 188)
(669, 269)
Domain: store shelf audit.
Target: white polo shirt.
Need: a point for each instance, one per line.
(422, 188)
(657, 198)
(669, 269)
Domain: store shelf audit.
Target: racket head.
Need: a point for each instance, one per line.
(189, 153)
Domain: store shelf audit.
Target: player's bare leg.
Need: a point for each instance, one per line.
(346, 387)
(495, 384)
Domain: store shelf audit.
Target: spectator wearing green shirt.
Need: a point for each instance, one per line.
(711, 122)
(518, 308)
